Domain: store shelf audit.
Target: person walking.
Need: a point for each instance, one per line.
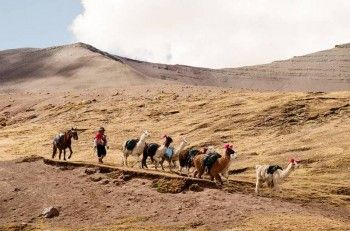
(100, 144)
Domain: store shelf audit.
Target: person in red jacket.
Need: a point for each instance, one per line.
(100, 144)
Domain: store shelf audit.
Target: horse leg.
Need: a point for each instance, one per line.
(64, 154)
(59, 157)
(71, 152)
(54, 151)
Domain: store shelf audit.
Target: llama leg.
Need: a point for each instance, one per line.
(218, 178)
(161, 163)
(70, 151)
(54, 151)
(211, 176)
(258, 186)
(60, 152)
(170, 167)
(200, 173)
(188, 171)
(125, 161)
(143, 162)
(195, 173)
(64, 154)
(276, 186)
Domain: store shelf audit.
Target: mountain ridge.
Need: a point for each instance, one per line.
(84, 65)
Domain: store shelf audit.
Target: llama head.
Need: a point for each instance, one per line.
(168, 140)
(146, 134)
(185, 141)
(229, 151)
(204, 150)
(294, 163)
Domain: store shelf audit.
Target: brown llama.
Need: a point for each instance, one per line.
(213, 163)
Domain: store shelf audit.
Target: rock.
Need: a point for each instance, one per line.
(125, 177)
(90, 171)
(17, 190)
(195, 188)
(50, 212)
(118, 182)
(104, 182)
(105, 170)
(95, 178)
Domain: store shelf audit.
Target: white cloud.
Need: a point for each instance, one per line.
(213, 33)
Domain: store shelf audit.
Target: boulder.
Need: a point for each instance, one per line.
(50, 212)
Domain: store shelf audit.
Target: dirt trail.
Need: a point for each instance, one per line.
(105, 200)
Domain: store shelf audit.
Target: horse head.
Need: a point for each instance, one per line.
(73, 133)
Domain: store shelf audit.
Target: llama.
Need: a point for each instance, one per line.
(273, 175)
(134, 147)
(213, 163)
(175, 155)
(186, 158)
(155, 151)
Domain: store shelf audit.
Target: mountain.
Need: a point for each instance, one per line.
(81, 66)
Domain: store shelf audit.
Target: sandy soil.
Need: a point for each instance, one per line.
(114, 204)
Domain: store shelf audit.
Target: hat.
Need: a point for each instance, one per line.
(101, 129)
(228, 146)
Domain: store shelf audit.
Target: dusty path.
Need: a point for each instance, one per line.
(111, 203)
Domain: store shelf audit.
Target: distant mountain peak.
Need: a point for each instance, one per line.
(345, 45)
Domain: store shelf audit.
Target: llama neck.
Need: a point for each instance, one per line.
(142, 139)
(181, 147)
(178, 150)
(224, 161)
(285, 173)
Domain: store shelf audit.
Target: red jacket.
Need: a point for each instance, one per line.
(100, 139)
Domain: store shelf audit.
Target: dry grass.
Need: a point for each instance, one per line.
(264, 127)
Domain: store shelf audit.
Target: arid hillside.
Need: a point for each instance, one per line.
(306, 117)
(264, 127)
(81, 66)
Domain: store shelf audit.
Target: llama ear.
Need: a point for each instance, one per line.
(164, 136)
(291, 160)
(226, 146)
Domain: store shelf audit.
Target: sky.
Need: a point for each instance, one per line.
(207, 33)
(37, 23)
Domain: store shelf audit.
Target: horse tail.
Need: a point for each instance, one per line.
(54, 150)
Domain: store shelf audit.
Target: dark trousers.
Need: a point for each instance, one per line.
(101, 151)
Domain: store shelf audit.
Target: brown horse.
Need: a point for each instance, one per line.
(64, 141)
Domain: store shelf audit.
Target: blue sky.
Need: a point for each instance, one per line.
(36, 23)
